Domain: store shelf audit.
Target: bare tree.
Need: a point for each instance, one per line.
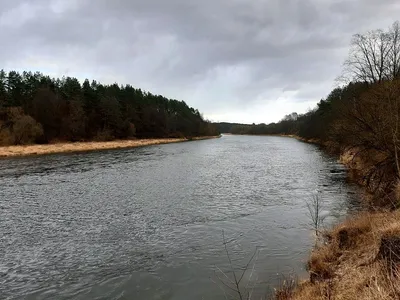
(315, 208)
(231, 282)
(394, 54)
(374, 56)
(391, 91)
(368, 57)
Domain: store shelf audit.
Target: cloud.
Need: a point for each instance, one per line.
(234, 60)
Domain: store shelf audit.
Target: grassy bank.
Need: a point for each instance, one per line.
(12, 151)
(358, 258)
(358, 262)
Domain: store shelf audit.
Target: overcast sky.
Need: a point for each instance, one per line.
(235, 60)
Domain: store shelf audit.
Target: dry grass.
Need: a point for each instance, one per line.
(348, 267)
(361, 257)
(396, 191)
(10, 151)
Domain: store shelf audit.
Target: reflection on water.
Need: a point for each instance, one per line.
(147, 223)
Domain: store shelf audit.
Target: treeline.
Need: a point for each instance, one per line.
(226, 127)
(363, 115)
(35, 108)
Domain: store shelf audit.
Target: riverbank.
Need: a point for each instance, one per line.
(311, 141)
(27, 150)
(359, 261)
(358, 258)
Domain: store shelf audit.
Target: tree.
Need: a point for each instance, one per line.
(69, 110)
(374, 56)
(47, 110)
(369, 124)
(291, 117)
(3, 90)
(110, 113)
(394, 53)
(15, 89)
(74, 123)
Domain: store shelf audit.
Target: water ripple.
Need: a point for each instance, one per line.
(147, 223)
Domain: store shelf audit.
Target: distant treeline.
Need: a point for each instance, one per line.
(35, 108)
(226, 127)
(362, 115)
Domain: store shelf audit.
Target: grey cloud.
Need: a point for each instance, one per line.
(213, 53)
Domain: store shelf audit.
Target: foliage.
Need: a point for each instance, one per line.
(64, 109)
(225, 127)
(26, 130)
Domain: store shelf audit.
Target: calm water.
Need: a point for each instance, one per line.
(147, 223)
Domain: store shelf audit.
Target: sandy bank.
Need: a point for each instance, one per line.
(11, 151)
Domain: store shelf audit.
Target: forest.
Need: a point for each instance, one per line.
(362, 113)
(35, 108)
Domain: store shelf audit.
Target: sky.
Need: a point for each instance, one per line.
(248, 61)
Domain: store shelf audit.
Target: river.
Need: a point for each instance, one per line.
(150, 223)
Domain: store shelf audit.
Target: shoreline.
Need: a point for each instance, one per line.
(353, 259)
(70, 147)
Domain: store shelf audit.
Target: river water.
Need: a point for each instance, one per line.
(150, 223)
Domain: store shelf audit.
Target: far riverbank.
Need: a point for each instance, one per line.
(26, 150)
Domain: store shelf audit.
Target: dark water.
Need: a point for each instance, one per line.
(147, 223)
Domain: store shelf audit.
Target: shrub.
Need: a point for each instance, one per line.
(26, 130)
(104, 135)
(6, 137)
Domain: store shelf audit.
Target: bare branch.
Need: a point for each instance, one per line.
(374, 56)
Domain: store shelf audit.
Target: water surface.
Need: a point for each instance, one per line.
(147, 223)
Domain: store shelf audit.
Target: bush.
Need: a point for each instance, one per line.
(132, 130)
(104, 135)
(26, 130)
(177, 135)
(6, 137)
(14, 113)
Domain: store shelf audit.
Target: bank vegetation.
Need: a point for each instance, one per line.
(38, 109)
(360, 120)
